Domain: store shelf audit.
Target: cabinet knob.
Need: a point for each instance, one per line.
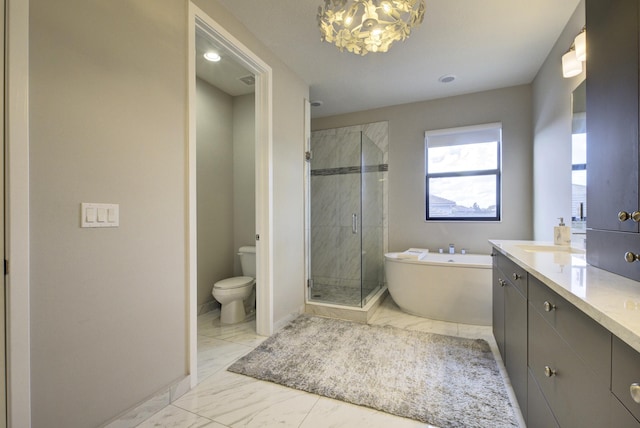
(516, 276)
(549, 372)
(624, 216)
(634, 389)
(502, 282)
(548, 306)
(630, 257)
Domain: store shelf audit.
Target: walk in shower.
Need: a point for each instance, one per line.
(346, 231)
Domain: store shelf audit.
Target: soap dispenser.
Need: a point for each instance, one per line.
(561, 233)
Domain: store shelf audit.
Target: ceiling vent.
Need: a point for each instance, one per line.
(249, 80)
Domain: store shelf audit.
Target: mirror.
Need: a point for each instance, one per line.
(579, 163)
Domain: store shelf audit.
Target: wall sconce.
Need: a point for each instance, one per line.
(572, 60)
(581, 45)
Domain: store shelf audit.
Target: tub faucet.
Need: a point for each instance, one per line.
(452, 249)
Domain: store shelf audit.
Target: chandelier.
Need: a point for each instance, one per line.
(363, 26)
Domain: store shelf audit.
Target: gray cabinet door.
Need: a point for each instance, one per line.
(612, 108)
(620, 416)
(498, 310)
(539, 413)
(515, 343)
(575, 398)
(625, 372)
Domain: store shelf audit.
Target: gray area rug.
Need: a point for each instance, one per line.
(441, 380)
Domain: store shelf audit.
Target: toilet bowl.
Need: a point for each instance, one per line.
(232, 292)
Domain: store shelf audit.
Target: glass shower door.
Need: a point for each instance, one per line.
(371, 191)
(336, 219)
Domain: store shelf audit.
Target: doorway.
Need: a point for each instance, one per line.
(200, 23)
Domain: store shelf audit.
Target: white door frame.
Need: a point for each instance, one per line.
(264, 204)
(17, 212)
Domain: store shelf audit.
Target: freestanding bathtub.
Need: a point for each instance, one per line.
(446, 287)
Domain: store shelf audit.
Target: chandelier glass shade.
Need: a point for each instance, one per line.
(363, 26)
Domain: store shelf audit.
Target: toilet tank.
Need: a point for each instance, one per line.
(248, 260)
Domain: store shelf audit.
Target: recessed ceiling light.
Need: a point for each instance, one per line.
(212, 56)
(447, 78)
(316, 103)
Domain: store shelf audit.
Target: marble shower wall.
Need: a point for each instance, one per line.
(335, 196)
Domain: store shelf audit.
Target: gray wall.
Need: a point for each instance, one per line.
(214, 152)
(225, 134)
(108, 112)
(108, 318)
(551, 95)
(407, 124)
(244, 175)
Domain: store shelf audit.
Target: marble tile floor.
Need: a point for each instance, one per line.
(224, 399)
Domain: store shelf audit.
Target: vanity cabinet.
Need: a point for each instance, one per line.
(625, 376)
(612, 134)
(566, 369)
(510, 323)
(620, 416)
(539, 412)
(588, 340)
(569, 358)
(498, 309)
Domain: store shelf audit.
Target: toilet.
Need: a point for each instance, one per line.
(232, 292)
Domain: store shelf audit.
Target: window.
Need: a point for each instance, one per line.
(463, 173)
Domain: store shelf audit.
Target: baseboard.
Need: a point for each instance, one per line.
(140, 413)
(277, 325)
(208, 307)
(214, 313)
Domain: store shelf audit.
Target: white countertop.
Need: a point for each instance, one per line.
(610, 299)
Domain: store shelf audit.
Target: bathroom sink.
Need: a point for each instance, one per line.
(550, 249)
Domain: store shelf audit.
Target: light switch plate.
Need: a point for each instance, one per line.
(99, 215)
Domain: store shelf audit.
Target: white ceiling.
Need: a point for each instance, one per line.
(225, 74)
(486, 44)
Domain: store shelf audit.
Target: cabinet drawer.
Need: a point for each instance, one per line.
(620, 416)
(625, 372)
(514, 273)
(575, 398)
(606, 250)
(540, 415)
(588, 339)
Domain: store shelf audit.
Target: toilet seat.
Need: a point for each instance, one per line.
(232, 283)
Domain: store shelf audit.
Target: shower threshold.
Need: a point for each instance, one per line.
(351, 313)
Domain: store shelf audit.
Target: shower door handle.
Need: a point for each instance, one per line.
(354, 223)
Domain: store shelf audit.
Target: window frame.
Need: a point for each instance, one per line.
(497, 172)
